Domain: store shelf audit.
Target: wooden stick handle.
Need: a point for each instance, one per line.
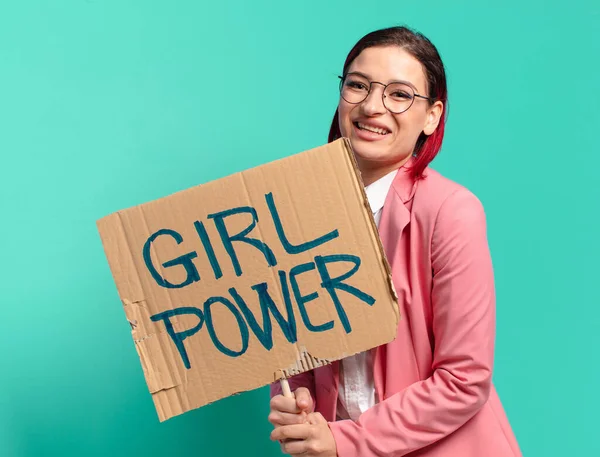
(285, 388)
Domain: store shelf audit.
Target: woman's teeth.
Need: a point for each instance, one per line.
(372, 129)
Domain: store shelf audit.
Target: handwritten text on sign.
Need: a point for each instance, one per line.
(244, 317)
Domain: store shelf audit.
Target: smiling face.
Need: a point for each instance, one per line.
(383, 141)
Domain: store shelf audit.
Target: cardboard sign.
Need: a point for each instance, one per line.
(233, 284)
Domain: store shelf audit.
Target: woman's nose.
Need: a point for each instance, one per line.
(373, 104)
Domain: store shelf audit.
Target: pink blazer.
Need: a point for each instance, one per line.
(434, 381)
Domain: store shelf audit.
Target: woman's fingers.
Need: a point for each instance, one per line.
(284, 404)
(292, 432)
(304, 400)
(278, 418)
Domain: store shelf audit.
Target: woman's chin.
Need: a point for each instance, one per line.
(373, 158)
(372, 154)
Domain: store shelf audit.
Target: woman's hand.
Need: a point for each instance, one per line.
(310, 439)
(289, 411)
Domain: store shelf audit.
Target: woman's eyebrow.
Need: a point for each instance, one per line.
(359, 74)
(399, 81)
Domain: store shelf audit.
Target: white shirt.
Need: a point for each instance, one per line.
(356, 392)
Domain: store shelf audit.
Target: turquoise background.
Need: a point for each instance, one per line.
(105, 104)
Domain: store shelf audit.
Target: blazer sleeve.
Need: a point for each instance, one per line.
(463, 304)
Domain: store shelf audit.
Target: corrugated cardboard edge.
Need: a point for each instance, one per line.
(304, 362)
(131, 294)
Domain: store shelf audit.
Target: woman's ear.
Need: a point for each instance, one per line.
(434, 114)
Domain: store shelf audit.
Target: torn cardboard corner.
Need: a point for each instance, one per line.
(262, 274)
(304, 362)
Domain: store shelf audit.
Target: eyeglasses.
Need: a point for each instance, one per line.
(397, 97)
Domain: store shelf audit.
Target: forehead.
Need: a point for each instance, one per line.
(390, 63)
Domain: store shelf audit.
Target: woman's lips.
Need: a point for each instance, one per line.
(368, 135)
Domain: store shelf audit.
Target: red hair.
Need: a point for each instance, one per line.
(427, 146)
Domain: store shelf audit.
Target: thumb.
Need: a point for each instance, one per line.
(303, 398)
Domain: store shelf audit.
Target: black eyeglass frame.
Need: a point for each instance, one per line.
(415, 94)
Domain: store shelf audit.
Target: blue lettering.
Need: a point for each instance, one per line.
(331, 284)
(267, 305)
(210, 252)
(268, 308)
(289, 247)
(227, 239)
(185, 260)
(303, 299)
(179, 337)
(211, 328)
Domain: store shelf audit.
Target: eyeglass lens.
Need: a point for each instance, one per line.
(398, 97)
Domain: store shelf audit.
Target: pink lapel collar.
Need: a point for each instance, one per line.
(395, 216)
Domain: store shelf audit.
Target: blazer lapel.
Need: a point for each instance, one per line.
(395, 216)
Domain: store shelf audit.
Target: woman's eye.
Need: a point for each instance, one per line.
(401, 95)
(356, 85)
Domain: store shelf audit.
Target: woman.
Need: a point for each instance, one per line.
(429, 392)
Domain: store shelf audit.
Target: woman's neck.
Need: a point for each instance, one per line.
(372, 171)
